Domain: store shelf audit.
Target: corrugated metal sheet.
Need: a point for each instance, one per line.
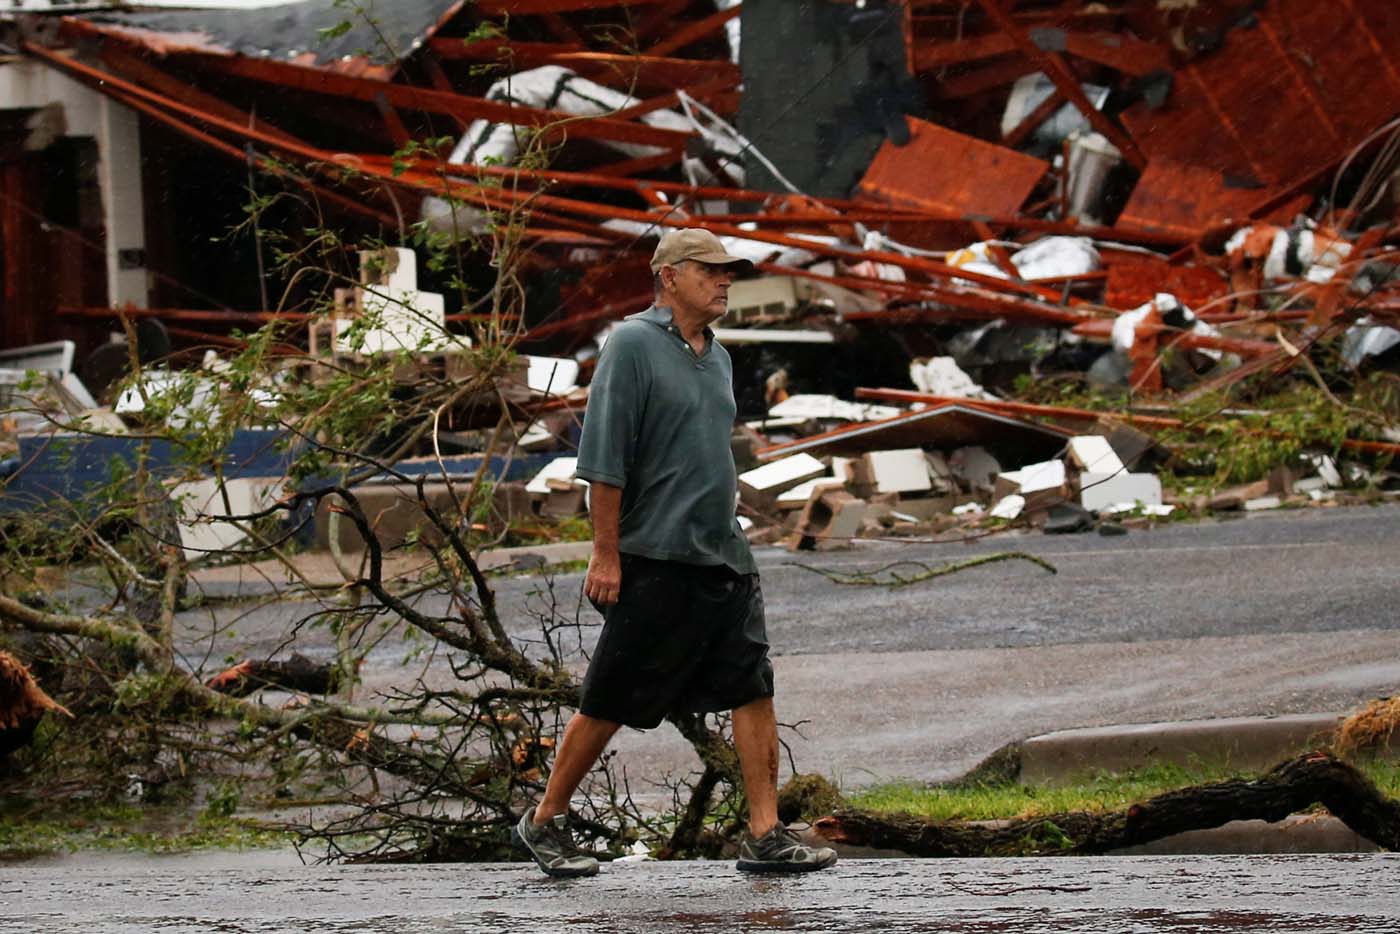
(942, 170)
(1302, 84)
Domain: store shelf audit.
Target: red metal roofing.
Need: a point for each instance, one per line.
(947, 171)
(1284, 96)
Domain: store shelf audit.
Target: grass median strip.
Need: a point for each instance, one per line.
(28, 831)
(1101, 791)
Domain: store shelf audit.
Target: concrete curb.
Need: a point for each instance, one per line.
(1239, 742)
(1246, 743)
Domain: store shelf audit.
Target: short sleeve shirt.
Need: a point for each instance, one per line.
(658, 424)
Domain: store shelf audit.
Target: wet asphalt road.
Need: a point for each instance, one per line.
(1280, 572)
(1287, 571)
(1276, 613)
(1106, 895)
(1282, 612)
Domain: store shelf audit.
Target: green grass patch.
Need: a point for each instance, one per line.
(29, 830)
(1102, 791)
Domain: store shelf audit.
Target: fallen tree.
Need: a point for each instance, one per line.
(1288, 788)
(436, 764)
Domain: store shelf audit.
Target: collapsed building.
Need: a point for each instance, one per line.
(1163, 196)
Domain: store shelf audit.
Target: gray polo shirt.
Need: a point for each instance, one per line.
(658, 424)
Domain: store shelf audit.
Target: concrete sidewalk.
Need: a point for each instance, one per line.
(1245, 743)
(318, 568)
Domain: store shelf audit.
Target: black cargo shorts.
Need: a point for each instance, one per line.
(687, 638)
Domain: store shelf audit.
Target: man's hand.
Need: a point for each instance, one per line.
(604, 581)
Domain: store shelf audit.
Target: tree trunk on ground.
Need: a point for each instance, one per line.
(1292, 786)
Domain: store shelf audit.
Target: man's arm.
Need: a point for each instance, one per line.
(604, 580)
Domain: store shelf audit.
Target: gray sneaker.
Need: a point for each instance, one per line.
(552, 847)
(780, 850)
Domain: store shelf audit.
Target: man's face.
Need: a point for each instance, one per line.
(701, 290)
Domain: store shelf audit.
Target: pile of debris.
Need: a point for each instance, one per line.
(1165, 199)
(1210, 186)
(953, 467)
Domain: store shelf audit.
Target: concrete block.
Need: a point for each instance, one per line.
(566, 502)
(760, 487)
(393, 513)
(510, 503)
(554, 376)
(899, 471)
(203, 517)
(929, 507)
(389, 268)
(401, 319)
(743, 442)
(763, 297)
(1099, 491)
(1009, 507)
(830, 515)
(1326, 468)
(561, 468)
(1093, 453)
(940, 474)
(1033, 478)
(797, 497)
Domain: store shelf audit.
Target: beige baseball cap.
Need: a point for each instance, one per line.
(694, 243)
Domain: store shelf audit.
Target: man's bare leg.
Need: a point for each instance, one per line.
(756, 741)
(585, 738)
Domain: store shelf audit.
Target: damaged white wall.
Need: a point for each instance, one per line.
(25, 85)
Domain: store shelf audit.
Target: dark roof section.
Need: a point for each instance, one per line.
(292, 30)
(1012, 440)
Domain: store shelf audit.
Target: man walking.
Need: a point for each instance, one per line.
(671, 570)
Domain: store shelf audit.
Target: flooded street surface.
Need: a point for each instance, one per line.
(1184, 895)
